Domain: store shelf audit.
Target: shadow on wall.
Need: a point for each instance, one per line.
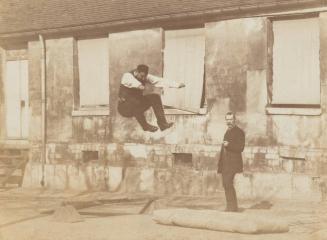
(95, 169)
(323, 190)
(122, 158)
(262, 205)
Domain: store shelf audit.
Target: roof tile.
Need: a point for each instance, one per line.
(29, 15)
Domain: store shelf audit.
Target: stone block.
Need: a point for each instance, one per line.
(77, 179)
(243, 185)
(288, 165)
(115, 177)
(262, 150)
(273, 156)
(272, 150)
(136, 150)
(147, 180)
(60, 176)
(270, 186)
(32, 175)
(162, 182)
(212, 183)
(302, 188)
(34, 75)
(256, 79)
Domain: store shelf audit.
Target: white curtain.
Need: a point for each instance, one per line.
(93, 64)
(296, 70)
(184, 62)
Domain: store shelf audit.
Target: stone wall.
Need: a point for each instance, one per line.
(2, 95)
(236, 70)
(155, 169)
(60, 78)
(285, 155)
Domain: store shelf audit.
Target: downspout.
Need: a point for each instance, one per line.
(43, 107)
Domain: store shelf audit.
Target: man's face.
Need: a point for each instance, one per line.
(141, 76)
(230, 121)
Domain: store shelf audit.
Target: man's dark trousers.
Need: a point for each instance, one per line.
(136, 105)
(230, 193)
(154, 101)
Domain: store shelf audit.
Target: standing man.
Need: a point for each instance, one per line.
(230, 161)
(138, 92)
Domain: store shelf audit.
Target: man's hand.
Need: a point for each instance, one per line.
(121, 99)
(141, 87)
(225, 143)
(181, 85)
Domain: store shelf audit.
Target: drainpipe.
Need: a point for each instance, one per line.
(43, 107)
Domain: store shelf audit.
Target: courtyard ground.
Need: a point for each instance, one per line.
(27, 214)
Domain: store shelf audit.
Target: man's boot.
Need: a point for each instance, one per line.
(150, 128)
(144, 124)
(157, 107)
(165, 125)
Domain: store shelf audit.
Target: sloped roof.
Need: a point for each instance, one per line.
(32, 15)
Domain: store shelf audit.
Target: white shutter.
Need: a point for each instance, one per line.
(184, 63)
(296, 74)
(24, 97)
(16, 99)
(93, 64)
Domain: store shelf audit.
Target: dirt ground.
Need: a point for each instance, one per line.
(28, 215)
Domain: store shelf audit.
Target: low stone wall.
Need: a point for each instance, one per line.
(253, 185)
(269, 172)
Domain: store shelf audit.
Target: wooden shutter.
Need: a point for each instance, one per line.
(16, 92)
(24, 97)
(296, 74)
(184, 62)
(93, 63)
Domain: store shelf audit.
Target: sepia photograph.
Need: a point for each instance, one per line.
(163, 119)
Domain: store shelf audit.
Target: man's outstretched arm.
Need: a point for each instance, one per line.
(162, 82)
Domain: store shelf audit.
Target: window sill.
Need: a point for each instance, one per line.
(175, 111)
(91, 112)
(15, 143)
(294, 111)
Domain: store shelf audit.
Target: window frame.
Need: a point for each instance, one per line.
(286, 109)
(16, 55)
(91, 110)
(203, 105)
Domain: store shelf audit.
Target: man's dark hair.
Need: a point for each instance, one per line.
(143, 68)
(231, 114)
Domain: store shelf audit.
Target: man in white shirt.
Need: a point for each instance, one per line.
(135, 97)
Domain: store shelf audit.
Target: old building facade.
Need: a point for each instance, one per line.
(61, 64)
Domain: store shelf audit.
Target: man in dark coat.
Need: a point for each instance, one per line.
(230, 161)
(140, 91)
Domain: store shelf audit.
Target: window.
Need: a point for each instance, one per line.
(184, 62)
(90, 156)
(183, 160)
(296, 74)
(93, 65)
(16, 99)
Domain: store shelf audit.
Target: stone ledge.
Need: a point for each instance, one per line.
(294, 111)
(90, 112)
